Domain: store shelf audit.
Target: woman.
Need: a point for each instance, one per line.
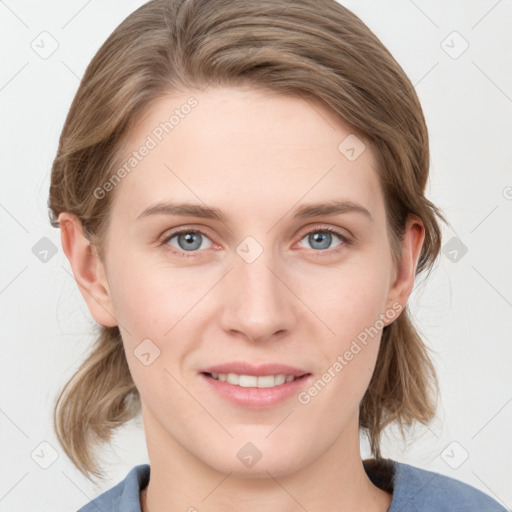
(240, 192)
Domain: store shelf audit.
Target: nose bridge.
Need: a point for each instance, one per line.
(257, 303)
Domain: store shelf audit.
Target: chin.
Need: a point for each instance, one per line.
(256, 459)
(262, 469)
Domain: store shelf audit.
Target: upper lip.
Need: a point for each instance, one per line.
(244, 368)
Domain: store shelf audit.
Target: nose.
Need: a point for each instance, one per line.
(257, 302)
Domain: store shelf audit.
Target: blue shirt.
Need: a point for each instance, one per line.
(413, 489)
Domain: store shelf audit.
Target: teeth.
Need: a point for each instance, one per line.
(251, 381)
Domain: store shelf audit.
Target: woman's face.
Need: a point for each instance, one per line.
(253, 279)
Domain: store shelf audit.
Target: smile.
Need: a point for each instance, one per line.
(253, 381)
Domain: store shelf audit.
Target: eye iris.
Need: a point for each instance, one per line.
(324, 237)
(191, 239)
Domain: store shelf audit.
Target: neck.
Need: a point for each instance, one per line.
(179, 481)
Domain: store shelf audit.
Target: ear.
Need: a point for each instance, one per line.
(405, 272)
(87, 268)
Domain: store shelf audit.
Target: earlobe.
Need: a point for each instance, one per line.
(87, 269)
(411, 244)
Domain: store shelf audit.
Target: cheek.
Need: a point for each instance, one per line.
(353, 297)
(150, 299)
(157, 310)
(349, 355)
(353, 308)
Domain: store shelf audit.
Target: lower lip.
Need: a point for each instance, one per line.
(256, 398)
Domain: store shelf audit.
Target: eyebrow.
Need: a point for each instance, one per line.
(205, 212)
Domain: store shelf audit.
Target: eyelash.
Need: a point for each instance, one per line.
(191, 254)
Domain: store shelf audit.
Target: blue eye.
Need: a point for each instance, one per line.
(190, 241)
(321, 239)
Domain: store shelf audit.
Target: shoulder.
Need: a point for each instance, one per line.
(420, 490)
(123, 497)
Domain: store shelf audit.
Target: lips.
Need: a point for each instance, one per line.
(255, 386)
(244, 368)
(251, 381)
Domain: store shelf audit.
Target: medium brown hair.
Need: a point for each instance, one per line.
(311, 49)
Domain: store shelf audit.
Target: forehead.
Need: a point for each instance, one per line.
(244, 148)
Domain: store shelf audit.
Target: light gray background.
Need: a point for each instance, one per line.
(464, 311)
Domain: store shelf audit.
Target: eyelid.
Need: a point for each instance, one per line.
(341, 232)
(347, 239)
(167, 235)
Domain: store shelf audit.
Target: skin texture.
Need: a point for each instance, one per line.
(256, 156)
